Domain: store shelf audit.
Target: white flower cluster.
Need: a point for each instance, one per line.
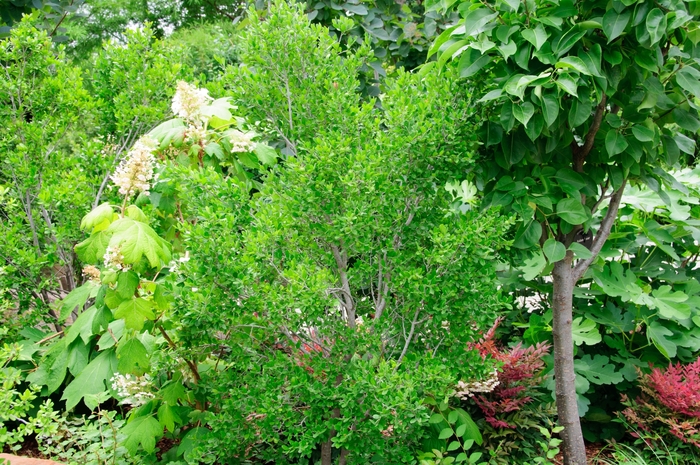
(195, 134)
(113, 258)
(242, 141)
(92, 273)
(174, 266)
(135, 172)
(467, 390)
(188, 102)
(133, 390)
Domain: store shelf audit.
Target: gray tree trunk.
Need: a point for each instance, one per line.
(574, 449)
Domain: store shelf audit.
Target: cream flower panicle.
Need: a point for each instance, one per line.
(92, 273)
(135, 172)
(188, 101)
(241, 141)
(466, 390)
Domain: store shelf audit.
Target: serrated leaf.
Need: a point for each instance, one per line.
(554, 250)
(136, 214)
(169, 132)
(142, 431)
(92, 249)
(220, 108)
(136, 240)
(133, 357)
(92, 379)
(168, 417)
(98, 215)
(76, 299)
(127, 282)
(571, 211)
(135, 312)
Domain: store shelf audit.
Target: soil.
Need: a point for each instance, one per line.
(594, 455)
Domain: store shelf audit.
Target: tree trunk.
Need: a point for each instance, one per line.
(573, 448)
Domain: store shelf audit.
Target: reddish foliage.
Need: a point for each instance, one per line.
(521, 370)
(678, 388)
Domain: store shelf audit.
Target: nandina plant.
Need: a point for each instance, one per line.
(670, 402)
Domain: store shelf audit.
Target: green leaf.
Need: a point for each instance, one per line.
(136, 240)
(219, 108)
(536, 37)
(685, 144)
(471, 432)
(571, 211)
(554, 250)
(76, 299)
(450, 51)
(82, 326)
(266, 154)
(550, 108)
(570, 181)
(615, 143)
(614, 23)
(115, 331)
(585, 331)
(656, 25)
(92, 249)
(580, 251)
(642, 133)
(567, 84)
(597, 370)
(670, 304)
(127, 282)
(135, 312)
(478, 21)
(573, 63)
(468, 68)
(169, 132)
(454, 445)
(533, 266)
(136, 214)
(133, 357)
(144, 431)
(92, 379)
(658, 335)
(689, 79)
(436, 418)
(97, 216)
(527, 235)
(168, 417)
(441, 39)
(523, 112)
(445, 433)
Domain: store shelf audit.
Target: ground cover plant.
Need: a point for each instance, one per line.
(264, 240)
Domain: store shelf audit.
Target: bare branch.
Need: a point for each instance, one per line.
(409, 338)
(580, 153)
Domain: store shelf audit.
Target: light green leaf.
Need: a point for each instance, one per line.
(169, 132)
(92, 249)
(133, 357)
(168, 417)
(585, 331)
(135, 312)
(136, 240)
(567, 84)
(136, 214)
(571, 211)
(685, 144)
(614, 23)
(689, 79)
(76, 299)
(92, 379)
(144, 431)
(478, 21)
(670, 304)
(573, 63)
(445, 433)
(266, 154)
(580, 251)
(554, 250)
(468, 68)
(659, 336)
(127, 282)
(656, 25)
(97, 216)
(523, 112)
(219, 108)
(533, 266)
(536, 37)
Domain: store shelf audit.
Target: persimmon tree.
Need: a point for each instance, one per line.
(582, 98)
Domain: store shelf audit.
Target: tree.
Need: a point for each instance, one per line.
(582, 98)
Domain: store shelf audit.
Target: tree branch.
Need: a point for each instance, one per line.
(580, 153)
(603, 233)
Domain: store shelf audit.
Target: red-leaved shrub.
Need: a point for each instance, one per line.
(520, 372)
(670, 398)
